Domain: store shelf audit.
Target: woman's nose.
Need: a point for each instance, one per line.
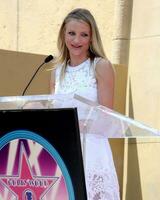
(77, 39)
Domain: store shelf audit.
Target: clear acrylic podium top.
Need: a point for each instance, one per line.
(93, 118)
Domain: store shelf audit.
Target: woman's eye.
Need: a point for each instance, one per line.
(84, 34)
(71, 33)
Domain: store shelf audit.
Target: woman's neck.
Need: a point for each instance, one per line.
(74, 61)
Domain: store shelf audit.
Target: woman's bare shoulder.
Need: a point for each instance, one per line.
(104, 66)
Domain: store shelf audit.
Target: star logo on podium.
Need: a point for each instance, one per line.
(26, 186)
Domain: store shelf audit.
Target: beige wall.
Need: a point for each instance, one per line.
(136, 45)
(141, 178)
(16, 71)
(144, 68)
(32, 26)
(8, 24)
(130, 32)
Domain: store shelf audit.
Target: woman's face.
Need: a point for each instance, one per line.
(77, 38)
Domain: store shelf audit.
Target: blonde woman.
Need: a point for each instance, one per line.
(82, 68)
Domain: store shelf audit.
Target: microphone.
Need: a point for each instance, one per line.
(47, 59)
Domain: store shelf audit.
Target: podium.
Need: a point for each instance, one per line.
(41, 152)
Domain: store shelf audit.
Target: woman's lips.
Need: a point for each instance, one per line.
(76, 47)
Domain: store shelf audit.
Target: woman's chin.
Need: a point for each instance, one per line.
(77, 53)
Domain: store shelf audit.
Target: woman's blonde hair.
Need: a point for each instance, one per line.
(96, 47)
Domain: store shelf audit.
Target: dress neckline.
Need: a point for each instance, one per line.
(77, 67)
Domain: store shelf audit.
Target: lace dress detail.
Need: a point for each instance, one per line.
(101, 178)
(100, 173)
(80, 80)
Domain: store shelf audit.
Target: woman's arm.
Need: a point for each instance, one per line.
(52, 82)
(105, 81)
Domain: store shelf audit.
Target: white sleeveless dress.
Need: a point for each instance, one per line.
(100, 173)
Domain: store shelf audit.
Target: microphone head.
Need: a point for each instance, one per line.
(48, 59)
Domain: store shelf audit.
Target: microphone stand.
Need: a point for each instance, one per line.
(32, 78)
(48, 59)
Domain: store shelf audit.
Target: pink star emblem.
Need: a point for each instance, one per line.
(25, 186)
